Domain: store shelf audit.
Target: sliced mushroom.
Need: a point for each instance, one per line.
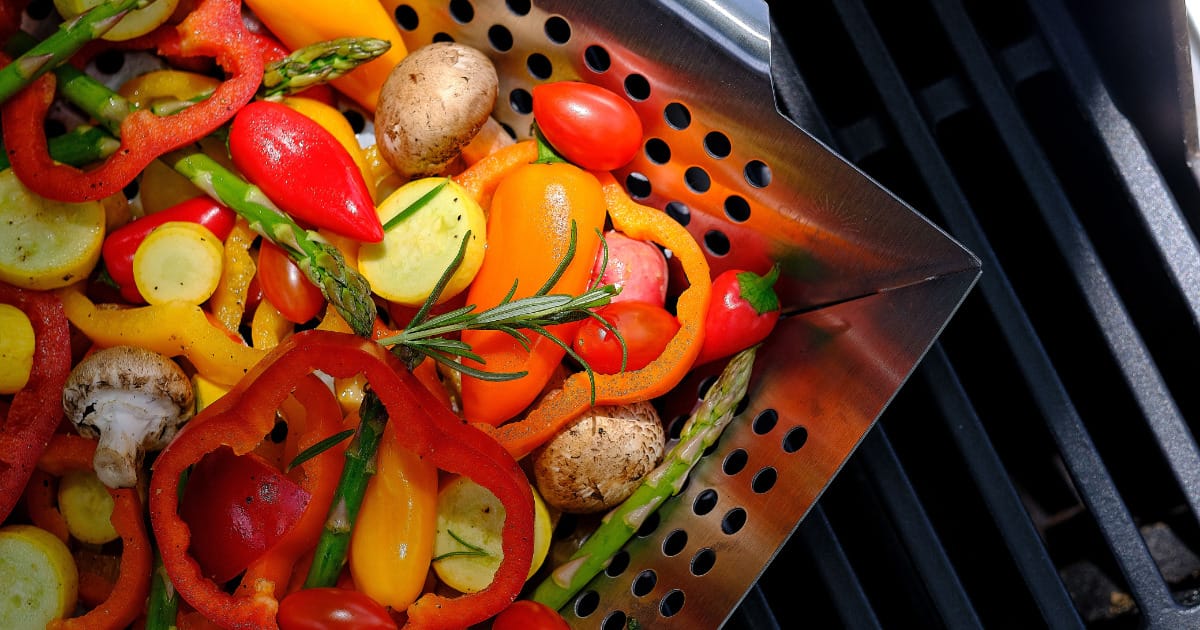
(599, 460)
(134, 400)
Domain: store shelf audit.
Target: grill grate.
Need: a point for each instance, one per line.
(1039, 469)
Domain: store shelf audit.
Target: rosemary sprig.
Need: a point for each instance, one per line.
(426, 336)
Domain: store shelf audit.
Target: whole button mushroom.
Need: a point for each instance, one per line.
(134, 400)
(598, 461)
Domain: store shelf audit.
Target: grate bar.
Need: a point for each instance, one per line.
(853, 607)
(922, 543)
(997, 490)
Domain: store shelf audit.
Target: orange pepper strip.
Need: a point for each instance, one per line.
(561, 406)
(72, 452)
(172, 329)
(228, 302)
(314, 416)
(482, 177)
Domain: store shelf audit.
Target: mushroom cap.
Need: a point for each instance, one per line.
(133, 400)
(599, 460)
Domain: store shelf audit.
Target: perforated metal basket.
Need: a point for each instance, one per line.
(868, 281)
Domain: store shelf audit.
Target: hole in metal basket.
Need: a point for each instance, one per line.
(130, 190)
(648, 526)
(757, 173)
(677, 116)
(519, 7)
(110, 62)
(521, 101)
(704, 502)
(764, 480)
(638, 185)
(637, 87)
(406, 17)
(597, 59)
(358, 122)
(717, 144)
(735, 462)
(658, 151)
(615, 620)
(737, 208)
(539, 66)
(734, 520)
(716, 242)
(39, 9)
(618, 564)
(674, 543)
(500, 38)
(705, 385)
(586, 603)
(442, 37)
(703, 561)
(795, 439)
(676, 427)
(765, 421)
(644, 583)
(462, 11)
(558, 30)
(697, 179)
(679, 211)
(671, 603)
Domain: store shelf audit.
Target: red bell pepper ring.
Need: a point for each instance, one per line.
(304, 169)
(36, 409)
(214, 29)
(241, 418)
(122, 243)
(743, 311)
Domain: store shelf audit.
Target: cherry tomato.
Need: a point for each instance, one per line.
(526, 614)
(332, 608)
(646, 329)
(589, 125)
(237, 507)
(282, 282)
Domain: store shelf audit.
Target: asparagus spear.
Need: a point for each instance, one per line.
(319, 63)
(82, 145)
(618, 526)
(332, 547)
(66, 41)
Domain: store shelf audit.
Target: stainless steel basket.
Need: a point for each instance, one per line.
(869, 283)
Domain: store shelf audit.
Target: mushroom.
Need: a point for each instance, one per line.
(134, 400)
(432, 105)
(599, 460)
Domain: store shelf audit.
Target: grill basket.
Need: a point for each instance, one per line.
(867, 281)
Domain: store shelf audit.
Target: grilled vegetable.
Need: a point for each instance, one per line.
(589, 125)
(137, 22)
(178, 261)
(637, 268)
(16, 349)
(432, 104)
(743, 312)
(40, 580)
(644, 329)
(46, 244)
(86, 506)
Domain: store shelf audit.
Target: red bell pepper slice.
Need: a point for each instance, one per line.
(303, 169)
(122, 243)
(36, 409)
(214, 29)
(241, 418)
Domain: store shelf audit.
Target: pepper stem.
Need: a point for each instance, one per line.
(759, 291)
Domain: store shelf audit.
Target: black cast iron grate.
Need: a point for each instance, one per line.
(1039, 470)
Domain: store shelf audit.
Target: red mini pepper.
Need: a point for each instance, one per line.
(122, 243)
(303, 169)
(241, 418)
(214, 29)
(36, 409)
(743, 311)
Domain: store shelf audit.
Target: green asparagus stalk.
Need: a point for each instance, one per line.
(163, 604)
(65, 42)
(319, 63)
(83, 145)
(701, 431)
(334, 543)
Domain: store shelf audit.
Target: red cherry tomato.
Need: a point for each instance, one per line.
(237, 507)
(589, 125)
(526, 614)
(646, 329)
(282, 282)
(332, 608)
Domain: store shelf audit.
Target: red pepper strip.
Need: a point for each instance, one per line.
(37, 408)
(213, 29)
(66, 453)
(122, 243)
(313, 415)
(241, 418)
(41, 501)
